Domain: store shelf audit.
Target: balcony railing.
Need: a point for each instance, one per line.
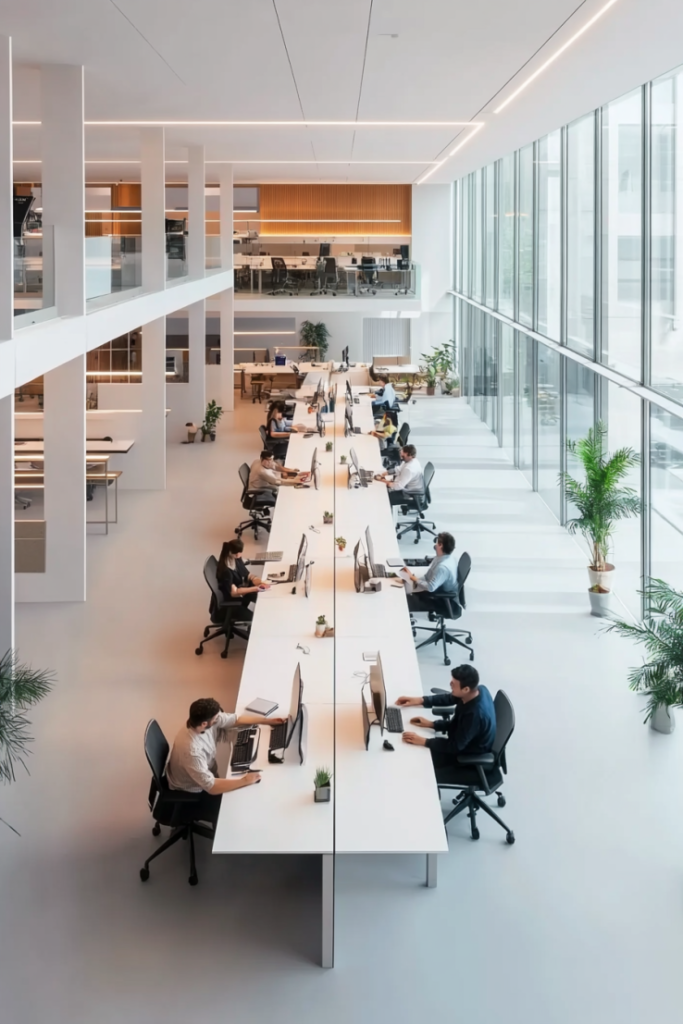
(34, 276)
(296, 275)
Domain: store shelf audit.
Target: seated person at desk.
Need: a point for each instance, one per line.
(278, 428)
(385, 430)
(192, 761)
(408, 477)
(442, 575)
(266, 474)
(471, 730)
(385, 397)
(233, 576)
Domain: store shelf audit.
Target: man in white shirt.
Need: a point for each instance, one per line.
(192, 762)
(385, 397)
(408, 477)
(266, 474)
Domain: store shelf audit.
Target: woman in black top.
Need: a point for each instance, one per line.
(233, 576)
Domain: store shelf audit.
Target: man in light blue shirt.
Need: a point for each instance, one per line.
(441, 576)
(385, 397)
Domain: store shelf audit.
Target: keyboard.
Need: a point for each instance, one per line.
(393, 719)
(379, 570)
(246, 746)
(278, 736)
(268, 556)
(412, 562)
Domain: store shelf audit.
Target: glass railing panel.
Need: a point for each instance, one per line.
(34, 276)
(113, 264)
(176, 255)
(347, 276)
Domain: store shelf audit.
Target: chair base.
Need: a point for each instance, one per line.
(236, 629)
(256, 523)
(470, 801)
(184, 832)
(444, 636)
(418, 525)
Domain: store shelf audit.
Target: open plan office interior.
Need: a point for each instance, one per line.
(341, 548)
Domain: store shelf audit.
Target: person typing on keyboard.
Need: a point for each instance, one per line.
(266, 474)
(442, 575)
(471, 730)
(192, 761)
(408, 477)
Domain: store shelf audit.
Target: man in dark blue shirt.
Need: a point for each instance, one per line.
(471, 730)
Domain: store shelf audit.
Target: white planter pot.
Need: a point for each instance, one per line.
(663, 719)
(320, 629)
(602, 579)
(600, 604)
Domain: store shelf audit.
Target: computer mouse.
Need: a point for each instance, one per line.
(387, 745)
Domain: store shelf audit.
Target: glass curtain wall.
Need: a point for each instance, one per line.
(490, 245)
(549, 169)
(477, 232)
(506, 234)
(507, 386)
(526, 235)
(581, 234)
(525, 398)
(548, 426)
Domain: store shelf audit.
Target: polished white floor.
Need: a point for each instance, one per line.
(580, 920)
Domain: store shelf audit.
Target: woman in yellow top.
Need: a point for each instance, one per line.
(385, 430)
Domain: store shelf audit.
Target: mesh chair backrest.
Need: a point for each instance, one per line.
(403, 434)
(156, 750)
(263, 434)
(367, 261)
(505, 725)
(428, 476)
(244, 477)
(277, 263)
(211, 577)
(464, 566)
(331, 266)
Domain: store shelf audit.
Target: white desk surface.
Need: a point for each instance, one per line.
(396, 371)
(91, 447)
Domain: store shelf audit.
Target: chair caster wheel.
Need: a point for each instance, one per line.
(446, 661)
(224, 654)
(468, 640)
(475, 833)
(157, 829)
(432, 617)
(416, 541)
(510, 838)
(144, 874)
(501, 800)
(193, 879)
(471, 655)
(414, 633)
(198, 650)
(206, 632)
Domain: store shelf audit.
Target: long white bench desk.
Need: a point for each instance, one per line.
(382, 802)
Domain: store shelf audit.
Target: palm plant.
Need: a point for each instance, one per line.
(600, 502)
(661, 676)
(21, 688)
(315, 334)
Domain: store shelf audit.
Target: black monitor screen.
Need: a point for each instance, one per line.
(354, 460)
(405, 252)
(21, 206)
(295, 703)
(324, 249)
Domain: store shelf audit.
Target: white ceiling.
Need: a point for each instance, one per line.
(373, 60)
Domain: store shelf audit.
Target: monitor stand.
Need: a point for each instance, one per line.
(296, 751)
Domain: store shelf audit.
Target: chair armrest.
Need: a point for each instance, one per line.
(181, 796)
(475, 759)
(437, 689)
(442, 712)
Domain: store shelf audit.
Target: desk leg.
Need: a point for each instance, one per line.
(431, 870)
(327, 954)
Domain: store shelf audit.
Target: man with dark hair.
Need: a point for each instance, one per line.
(266, 474)
(407, 478)
(192, 761)
(442, 575)
(385, 397)
(471, 730)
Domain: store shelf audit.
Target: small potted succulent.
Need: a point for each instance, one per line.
(320, 625)
(340, 542)
(327, 518)
(328, 446)
(342, 459)
(323, 789)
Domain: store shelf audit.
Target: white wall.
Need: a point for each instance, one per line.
(432, 249)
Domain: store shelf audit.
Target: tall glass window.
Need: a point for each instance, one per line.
(549, 234)
(549, 427)
(526, 406)
(506, 234)
(666, 496)
(507, 385)
(477, 231)
(465, 251)
(526, 235)
(580, 406)
(622, 181)
(490, 237)
(581, 234)
(665, 282)
(621, 413)
(490, 382)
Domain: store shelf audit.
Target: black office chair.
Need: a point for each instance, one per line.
(448, 606)
(228, 618)
(282, 280)
(278, 449)
(419, 502)
(257, 503)
(327, 276)
(482, 773)
(368, 277)
(392, 453)
(174, 808)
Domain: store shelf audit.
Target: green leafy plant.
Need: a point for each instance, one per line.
(328, 446)
(340, 541)
(342, 459)
(661, 676)
(211, 417)
(600, 502)
(21, 688)
(327, 517)
(321, 620)
(450, 384)
(438, 364)
(322, 778)
(317, 335)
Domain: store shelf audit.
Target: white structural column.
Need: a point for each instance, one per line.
(227, 298)
(63, 153)
(153, 181)
(153, 395)
(196, 211)
(6, 361)
(196, 315)
(432, 249)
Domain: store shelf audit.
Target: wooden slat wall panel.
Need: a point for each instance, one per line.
(350, 209)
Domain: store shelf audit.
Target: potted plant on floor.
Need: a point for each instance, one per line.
(437, 365)
(599, 502)
(323, 789)
(661, 676)
(211, 417)
(320, 625)
(315, 335)
(20, 689)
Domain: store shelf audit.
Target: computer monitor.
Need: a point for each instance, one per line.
(320, 423)
(349, 394)
(378, 691)
(348, 421)
(370, 549)
(20, 210)
(360, 569)
(308, 579)
(301, 558)
(365, 718)
(405, 252)
(354, 460)
(324, 249)
(295, 703)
